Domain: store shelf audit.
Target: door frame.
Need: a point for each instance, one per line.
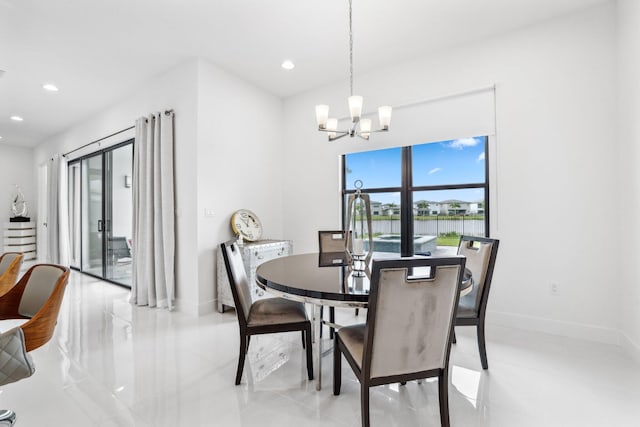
(102, 154)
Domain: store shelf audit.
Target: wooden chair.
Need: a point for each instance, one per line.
(265, 316)
(10, 263)
(409, 325)
(28, 315)
(480, 253)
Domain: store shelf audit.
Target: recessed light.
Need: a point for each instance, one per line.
(16, 118)
(50, 87)
(288, 65)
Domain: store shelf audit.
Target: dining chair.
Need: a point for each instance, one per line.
(409, 325)
(265, 316)
(28, 316)
(10, 263)
(480, 253)
(332, 241)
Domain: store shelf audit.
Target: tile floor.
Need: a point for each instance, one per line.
(110, 364)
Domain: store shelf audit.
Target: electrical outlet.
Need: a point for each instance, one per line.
(209, 213)
(554, 288)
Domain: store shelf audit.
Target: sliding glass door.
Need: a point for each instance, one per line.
(100, 207)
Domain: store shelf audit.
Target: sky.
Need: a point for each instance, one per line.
(459, 161)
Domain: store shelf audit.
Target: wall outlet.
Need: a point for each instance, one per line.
(209, 213)
(554, 288)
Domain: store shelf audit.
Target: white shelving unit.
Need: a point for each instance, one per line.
(20, 237)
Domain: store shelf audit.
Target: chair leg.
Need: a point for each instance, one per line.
(303, 345)
(482, 346)
(337, 368)
(308, 347)
(244, 345)
(357, 311)
(364, 404)
(321, 318)
(453, 337)
(7, 417)
(443, 397)
(332, 319)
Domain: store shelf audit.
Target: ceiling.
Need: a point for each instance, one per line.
(97, 51)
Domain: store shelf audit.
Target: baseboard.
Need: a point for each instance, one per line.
(630, 347)
(555, 327)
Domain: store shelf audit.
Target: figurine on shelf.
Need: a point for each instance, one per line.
(19, 207)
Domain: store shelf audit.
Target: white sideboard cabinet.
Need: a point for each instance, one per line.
(20, 237)
(253, 254)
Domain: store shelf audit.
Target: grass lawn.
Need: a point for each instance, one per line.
(448, 240)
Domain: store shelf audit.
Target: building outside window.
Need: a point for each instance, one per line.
(423, 197)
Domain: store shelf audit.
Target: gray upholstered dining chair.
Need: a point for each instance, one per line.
(10, 263)
(265, 316)
(409, 325)
(28, 315)
(480, 253)
(332, 241)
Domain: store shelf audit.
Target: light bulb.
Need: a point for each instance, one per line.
(384, 115)
(355, 107)
(322, 113)
(332, 124)
(365, 128)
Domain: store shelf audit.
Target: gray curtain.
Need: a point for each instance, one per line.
(57, 211)
(153, 212)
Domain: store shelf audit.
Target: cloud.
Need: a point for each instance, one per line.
(459, 144)
(434, 170)
(480, 157)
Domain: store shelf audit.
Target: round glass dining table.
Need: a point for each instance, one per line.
(325, 279)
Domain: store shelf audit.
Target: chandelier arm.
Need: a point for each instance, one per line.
(342, 135)
(334, 131)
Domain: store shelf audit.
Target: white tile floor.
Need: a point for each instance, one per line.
(110, 364)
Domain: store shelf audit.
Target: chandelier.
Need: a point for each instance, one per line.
(359, 127)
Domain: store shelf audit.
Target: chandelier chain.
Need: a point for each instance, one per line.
(350, 51)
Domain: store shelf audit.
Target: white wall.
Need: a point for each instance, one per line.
(239, 164)
(555, 146)
(16, 167)
(629, 136)
(227, 156)
(176, 89)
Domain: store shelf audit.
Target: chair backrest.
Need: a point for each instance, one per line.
(10, 263)
(119, 247)
(481, 258)
(37, 296)
(331, 241)
(238, 280)
(410, 319)
(39, 287)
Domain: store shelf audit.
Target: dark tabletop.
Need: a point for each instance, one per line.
(313, 276)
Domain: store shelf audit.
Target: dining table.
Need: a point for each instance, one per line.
(324, 279)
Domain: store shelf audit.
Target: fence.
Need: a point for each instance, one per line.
(434, 226)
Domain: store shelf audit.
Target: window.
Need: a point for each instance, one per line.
(423, 197)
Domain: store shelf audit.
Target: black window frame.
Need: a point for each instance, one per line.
(407, 189)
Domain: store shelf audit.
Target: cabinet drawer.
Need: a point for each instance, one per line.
(19, 240)
(20, 233)
(258, 256)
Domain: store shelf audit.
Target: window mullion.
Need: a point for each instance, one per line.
(406, 205)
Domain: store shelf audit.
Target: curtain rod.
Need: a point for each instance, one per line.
(166, 112)
(97, 141)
